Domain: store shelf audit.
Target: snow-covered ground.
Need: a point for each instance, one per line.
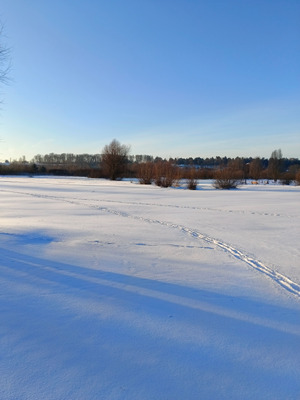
(113, 290)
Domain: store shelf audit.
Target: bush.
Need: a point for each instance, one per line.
(192, 184)
(287, 178)
(227, 179)
(192, 181)
(146, 173)
(166, 174)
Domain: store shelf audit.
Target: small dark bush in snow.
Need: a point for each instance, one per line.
(226, 179)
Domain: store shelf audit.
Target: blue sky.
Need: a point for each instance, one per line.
(171, 78)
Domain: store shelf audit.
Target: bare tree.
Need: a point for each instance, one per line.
(4, 59)
(114, 159)
(255, 168)
(275, 164)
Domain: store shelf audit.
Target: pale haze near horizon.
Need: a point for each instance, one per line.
(169, 78)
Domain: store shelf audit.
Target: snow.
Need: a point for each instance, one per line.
(114, 290)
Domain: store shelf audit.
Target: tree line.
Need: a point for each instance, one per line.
(115, 162)
(94, 160)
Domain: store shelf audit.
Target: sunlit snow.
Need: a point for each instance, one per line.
(114, 290)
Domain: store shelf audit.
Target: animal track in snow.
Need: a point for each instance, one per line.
(133, 203)
(277, 277)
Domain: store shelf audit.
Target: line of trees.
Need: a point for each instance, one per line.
(256, 165)
(115, 162)
(79, 160)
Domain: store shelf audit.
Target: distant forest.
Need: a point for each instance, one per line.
(94, 161)
(92, 165)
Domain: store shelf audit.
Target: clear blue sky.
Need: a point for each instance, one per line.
(170, 78)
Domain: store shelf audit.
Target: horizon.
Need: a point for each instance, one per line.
(154, 157)
(176, 79)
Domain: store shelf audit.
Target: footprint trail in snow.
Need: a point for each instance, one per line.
(277, 277)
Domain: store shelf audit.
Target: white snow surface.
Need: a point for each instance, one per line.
(114, 290)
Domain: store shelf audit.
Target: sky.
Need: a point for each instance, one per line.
(170, 78)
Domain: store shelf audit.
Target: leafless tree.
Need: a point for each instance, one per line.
(275, 164)
(114, 159)
(4, 59)
(255, 169)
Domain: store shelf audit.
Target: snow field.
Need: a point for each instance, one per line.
(117, 291)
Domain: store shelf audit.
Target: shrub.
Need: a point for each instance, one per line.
(146, 173)
(192, 181)
(227, 179)
(192, 184)
(166, 174)
(287, 178)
